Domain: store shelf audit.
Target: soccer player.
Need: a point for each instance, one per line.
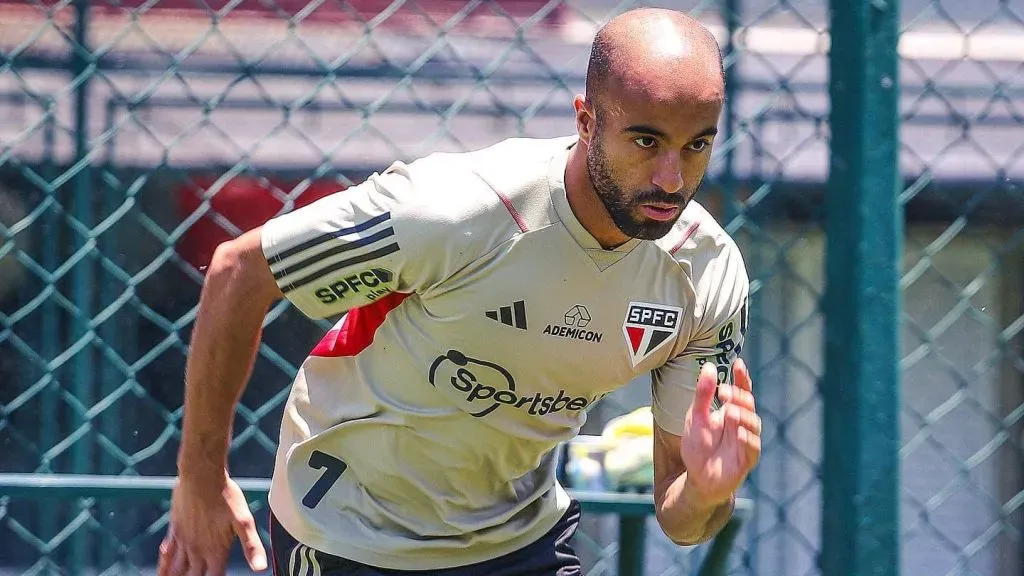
(489, 299)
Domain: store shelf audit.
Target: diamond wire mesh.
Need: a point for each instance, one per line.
(215, 105)
(963, 153)
(127, 149)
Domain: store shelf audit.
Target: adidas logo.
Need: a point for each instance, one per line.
(514, 315)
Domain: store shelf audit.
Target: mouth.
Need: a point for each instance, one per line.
(659, 211)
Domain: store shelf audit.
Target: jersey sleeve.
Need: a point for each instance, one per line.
(353, 247)
(718, 338)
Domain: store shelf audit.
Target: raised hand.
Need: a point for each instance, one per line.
(720, 447)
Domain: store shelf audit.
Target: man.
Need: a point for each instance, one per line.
(491, 298)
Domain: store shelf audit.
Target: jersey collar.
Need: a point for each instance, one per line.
(602, 257)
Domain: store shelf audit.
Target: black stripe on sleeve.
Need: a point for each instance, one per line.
(330, 235)
(358, 243)
(389, 249)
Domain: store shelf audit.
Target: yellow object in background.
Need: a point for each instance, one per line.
(628, 443)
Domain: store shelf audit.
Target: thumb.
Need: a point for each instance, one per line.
(707, 382)
(252, 547)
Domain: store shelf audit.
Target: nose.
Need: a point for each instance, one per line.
(668, 174)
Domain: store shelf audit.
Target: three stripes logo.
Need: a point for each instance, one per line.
(303, 561)
(322, 256)
(514, 315)
(648, 327)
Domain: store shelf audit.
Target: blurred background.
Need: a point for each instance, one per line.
(136, 135)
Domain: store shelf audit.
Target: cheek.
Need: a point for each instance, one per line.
(695, 166)
(633, 169)
(637, 169)
(627, 166)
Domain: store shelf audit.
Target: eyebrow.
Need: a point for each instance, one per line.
(652, 131)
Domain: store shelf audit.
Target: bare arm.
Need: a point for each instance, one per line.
(696, 475)
(238, 290)
(685, 519)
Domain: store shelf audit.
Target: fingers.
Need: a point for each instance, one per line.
(707, 382)
(741, 376)
(252, 547)
(745, 425)
(183, 563)
(179, 562)
(750, 444)
(740, 393)
(731, 395)
(176, 559)
(743, 418)
(168, 548)
(732, 421)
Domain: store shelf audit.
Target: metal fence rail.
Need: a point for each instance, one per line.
(135, 135)
(85, 492)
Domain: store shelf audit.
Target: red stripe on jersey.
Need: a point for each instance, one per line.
(686, 236)
(512, 210)
(357, 330)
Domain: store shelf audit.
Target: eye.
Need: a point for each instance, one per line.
(645, 142)
(699, 145)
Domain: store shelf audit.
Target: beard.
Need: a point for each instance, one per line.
(624, 207)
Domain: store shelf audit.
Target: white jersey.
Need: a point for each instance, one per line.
(482, 322)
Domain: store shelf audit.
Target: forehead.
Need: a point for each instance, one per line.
(678, 113)
(663, 84)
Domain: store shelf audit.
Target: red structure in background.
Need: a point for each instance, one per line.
(401, 12)
(245, 201)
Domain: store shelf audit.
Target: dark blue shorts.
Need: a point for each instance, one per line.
(551, 555)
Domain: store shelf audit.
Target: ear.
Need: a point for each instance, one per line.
(586, 119)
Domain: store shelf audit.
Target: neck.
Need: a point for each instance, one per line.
(585, 203)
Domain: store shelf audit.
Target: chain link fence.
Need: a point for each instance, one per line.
(963, 287)
(136, 135)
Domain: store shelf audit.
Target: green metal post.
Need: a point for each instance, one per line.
(860, 527)
(632, 543)
(83, 275)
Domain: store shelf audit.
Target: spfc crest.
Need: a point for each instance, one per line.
(648, 327)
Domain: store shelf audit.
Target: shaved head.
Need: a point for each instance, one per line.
(658, 49)
(647, 123)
